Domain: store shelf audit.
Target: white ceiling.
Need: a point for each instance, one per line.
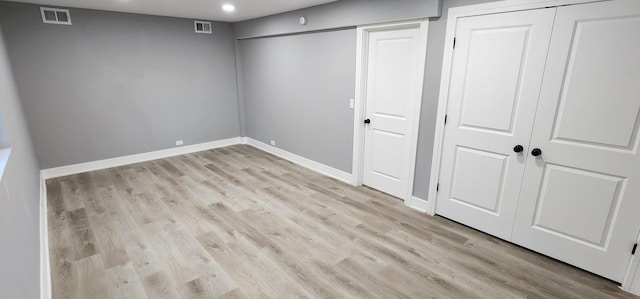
(191, 9)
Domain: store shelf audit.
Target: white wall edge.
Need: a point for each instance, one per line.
(302, 161)
(45, 263)
(137, 158)
(244, 140)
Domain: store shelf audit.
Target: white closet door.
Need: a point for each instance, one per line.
(497, 71)
(580, 200)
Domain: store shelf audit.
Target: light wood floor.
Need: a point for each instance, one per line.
(240, 223)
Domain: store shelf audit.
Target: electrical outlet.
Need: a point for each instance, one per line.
(352, 103)
(273, 142)
(179, 142)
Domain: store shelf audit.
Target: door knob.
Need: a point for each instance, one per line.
(536, 152)
(367, 121)
(518, 148)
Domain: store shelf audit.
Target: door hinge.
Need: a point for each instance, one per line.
(445, 119)
(437, 187)
(633, 251)
(454, 42)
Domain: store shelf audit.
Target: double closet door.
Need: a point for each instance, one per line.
(541, 141)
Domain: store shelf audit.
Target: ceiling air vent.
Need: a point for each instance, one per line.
(55, 16)
(202, 27)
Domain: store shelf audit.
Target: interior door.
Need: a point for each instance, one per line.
(395, 64)
(496, 74)
(580, 201)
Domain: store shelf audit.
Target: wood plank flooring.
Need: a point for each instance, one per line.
(237, 222)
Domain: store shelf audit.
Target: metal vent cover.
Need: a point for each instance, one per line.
(202, 27)
(55, 16)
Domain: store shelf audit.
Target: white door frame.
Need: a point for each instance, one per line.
(447, 62)
(632, 278)
(360, 97)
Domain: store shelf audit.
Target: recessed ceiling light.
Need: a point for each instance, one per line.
(228, 7)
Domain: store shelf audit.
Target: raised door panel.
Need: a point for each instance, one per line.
(386, 142)
(584, 115)
(495, 57)
(390, 81)
(478, 179)
(587, 201)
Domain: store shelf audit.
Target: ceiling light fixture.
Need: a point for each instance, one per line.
(228, 7)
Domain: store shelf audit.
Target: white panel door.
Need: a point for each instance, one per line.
(580, 200)
(392, 98)
(497, 70)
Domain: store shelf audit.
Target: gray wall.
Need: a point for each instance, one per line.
(116, 84)
(297, 90)
(344, 13)
(19, 197)
(287, 94)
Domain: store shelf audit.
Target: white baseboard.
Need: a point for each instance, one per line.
(45, 266)
(126, 160)
(313, 165)
(417, 204)
(244, 140)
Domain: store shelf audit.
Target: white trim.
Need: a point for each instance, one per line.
(360, 97)
(55, 10)
(634, 288)
(302, 161)
(509, 6)
(431, 207)
(358, 111)
(482, 9)
(422, 62)
(45, 266)
(126, 160)
(417, 204)
(447, 61)
(244, 140)
(631, 281)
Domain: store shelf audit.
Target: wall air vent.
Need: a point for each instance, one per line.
(55, 16)
(202, 27)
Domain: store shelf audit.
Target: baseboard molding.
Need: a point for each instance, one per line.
(126, 160)
(417, 204)
(45, 266)
(302, 161)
